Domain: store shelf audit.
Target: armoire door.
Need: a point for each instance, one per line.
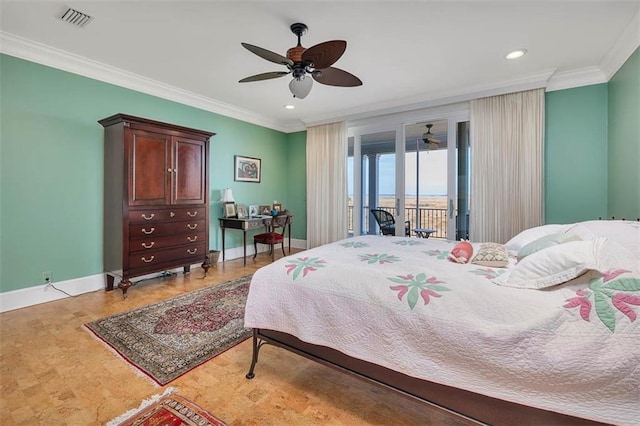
(188, 177)
(150, 168)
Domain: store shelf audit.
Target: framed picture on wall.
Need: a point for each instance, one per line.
(230, 209)
(247, 169)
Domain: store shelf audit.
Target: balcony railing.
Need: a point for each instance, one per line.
(429, 218)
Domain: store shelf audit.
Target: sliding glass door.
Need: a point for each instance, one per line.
(418, 172)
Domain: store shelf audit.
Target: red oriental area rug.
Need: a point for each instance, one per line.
(165, 340)
(167, 410)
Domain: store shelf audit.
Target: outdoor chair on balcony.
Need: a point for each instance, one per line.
(387, 222)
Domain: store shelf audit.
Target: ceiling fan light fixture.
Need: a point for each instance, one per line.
(516, 54)
(300, 87)
(289, 106)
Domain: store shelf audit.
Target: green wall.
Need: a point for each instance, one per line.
(297, 182)
(624, 140)
(51, 168)
(576, 154)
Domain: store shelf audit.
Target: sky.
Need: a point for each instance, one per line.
(433, 173)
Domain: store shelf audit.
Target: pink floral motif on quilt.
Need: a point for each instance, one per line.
(605, 294)
(304, 265)
(417, 286)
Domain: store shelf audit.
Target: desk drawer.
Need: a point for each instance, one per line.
(172, 214)
(160, 242)
(152, 230)
(158, 257)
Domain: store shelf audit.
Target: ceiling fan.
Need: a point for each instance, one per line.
(430, 139)
(301, 62)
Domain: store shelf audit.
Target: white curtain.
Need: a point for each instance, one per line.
(507, 167)
(326, 184)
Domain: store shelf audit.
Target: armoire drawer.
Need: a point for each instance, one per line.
(158, 257)
(159, 215)
(151, 243)
(146, 230)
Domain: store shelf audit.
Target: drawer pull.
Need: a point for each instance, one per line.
(144, 216)
(148, 246)
(148, 261)
(192, 251)
(192, 227)
(191, 240)
(194, 214)
(144, 231)
(172, 214)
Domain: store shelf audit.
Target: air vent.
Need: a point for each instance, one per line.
(75, 17)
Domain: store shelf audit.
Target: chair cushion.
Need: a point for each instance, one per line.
(269, 238)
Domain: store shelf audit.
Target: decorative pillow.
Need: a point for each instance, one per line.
(492, 254)
(461, 252)
(544, 242)
(528, 235)
(553, 265)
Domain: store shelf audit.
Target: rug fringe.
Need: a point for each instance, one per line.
(132, 366)
(147, 402)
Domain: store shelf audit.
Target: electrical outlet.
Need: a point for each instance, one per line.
(47, 277)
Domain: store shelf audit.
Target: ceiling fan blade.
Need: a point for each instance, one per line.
(268, 55)
(336, 77)
(325, 54)
(264, 76)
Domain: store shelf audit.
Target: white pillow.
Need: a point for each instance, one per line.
(553, 265)
(624, 232)
(529, 235)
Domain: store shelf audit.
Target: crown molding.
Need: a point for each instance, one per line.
(40, 53)
(435, 99)
(624, 47)
(576, 78)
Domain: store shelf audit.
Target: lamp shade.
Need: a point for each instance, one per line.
(300, 87)
(227, 196)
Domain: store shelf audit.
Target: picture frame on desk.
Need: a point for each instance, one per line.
(242, 211)
(277, 207)
(265, 210)
(247, 169)
(230, 209)
(253, 211)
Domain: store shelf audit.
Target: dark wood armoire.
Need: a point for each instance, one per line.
(156, 198)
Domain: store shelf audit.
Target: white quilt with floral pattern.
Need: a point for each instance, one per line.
(400, 303)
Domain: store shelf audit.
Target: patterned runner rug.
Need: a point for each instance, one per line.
(165, 340)
(168, 409)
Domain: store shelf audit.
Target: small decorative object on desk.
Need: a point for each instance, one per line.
(253, 211)
(230, 209)
(242, 211)
(265, 210)
(277, 207)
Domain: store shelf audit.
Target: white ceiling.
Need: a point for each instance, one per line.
(407, 53)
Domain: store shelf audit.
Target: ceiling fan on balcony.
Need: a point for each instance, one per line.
(430, 139)
(315, 62)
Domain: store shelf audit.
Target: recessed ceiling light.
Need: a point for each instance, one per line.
(516, 54)
(289, 106)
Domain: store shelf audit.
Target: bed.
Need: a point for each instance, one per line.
(547, 337)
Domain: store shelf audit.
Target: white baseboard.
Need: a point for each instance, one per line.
(31, 296)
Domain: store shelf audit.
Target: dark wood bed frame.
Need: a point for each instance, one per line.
(469, 407)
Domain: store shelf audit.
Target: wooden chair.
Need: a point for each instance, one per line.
(272, 237)
(387, 222)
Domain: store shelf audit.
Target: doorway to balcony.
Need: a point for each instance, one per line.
(418, 173)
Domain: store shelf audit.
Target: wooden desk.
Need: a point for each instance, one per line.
(248, 224)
